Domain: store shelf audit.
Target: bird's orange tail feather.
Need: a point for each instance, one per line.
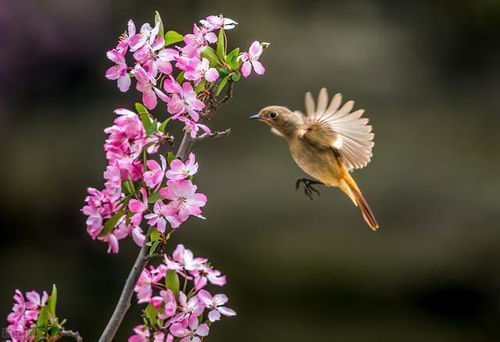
(349, 186)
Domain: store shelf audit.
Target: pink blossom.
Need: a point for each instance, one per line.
(196, 69)
(188, 308)
(123, 45)
(100, 205)
(169, 304)
(215, 22)
(119, 70)
(197, 40)
(126, 139)
(251, 59)
(138, 207)
(143, 287)
(184, 198)
(141, 334)
(183, 99)
(22, 319)
(215, 305)
(146, 84)
(192, 127)
(154, 59)
(190, 331)
(161, 214)
(205, 274)
(147, 35)
(155, 175)
(179, 170)
(186, 259)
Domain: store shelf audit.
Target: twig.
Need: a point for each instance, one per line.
(73, 334)
(229, 93)
(154, 256)
(213, 135)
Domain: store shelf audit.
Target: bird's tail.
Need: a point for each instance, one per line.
(349, 186)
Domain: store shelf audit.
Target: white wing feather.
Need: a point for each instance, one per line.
(353, 136)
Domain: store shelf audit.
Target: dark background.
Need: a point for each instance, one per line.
(426, 71)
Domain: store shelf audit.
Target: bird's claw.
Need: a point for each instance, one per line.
(309, 190)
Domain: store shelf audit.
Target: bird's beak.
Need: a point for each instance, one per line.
(254, 117)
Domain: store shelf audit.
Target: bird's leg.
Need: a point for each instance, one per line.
(309, 190)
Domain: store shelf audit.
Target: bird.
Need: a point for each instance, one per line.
(327, 143)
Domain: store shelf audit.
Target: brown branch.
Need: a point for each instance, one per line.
(229, 93)
(73, 334)
(213, 135)
(143, 259)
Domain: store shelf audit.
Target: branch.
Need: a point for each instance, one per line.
(140, 262)
(213, 135)
(143, 259)
(126, 297)
(73, 334)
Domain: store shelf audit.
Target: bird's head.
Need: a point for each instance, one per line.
(280, 118)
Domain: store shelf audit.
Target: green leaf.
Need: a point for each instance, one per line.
(170, 157)
(158, 19)
(139, 108)
(232, 59)
(164, 125)
(128, 187)
(53, 301)
(180, 78)
(221, 45)
(111, 223)
(154, 235)
(236, 76)
(41, 322)
(223, 71)
(172, 282)
(172, 37)
(151, 313)
(155, 197)
(53, 331)
(152, 129)
(154, 246)
(200, 87)
(146, 121)
(222, 84)
(209, 54)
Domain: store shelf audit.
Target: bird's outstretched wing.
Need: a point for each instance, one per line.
(336, 126)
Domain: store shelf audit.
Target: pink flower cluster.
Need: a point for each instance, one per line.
(126, 148)
(170, 73)
(172, 312)
(22, 320)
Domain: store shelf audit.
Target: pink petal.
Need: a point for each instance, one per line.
(258, 67)
(226, 311)
(211, 75)
(203, 330)
(138, 236)
(214, 315)
(179, 330)
(211, 37)
(246, 69)
(255, 49)
(124, 83)
(149, 99)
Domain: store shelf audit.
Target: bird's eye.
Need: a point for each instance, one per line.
(273, 115)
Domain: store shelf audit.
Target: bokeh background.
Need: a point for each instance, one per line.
(426, 71)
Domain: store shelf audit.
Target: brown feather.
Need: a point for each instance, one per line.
(349, 186)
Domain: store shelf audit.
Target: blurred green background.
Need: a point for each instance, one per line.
(426, 71)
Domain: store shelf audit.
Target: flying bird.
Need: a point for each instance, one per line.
(327, 142)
